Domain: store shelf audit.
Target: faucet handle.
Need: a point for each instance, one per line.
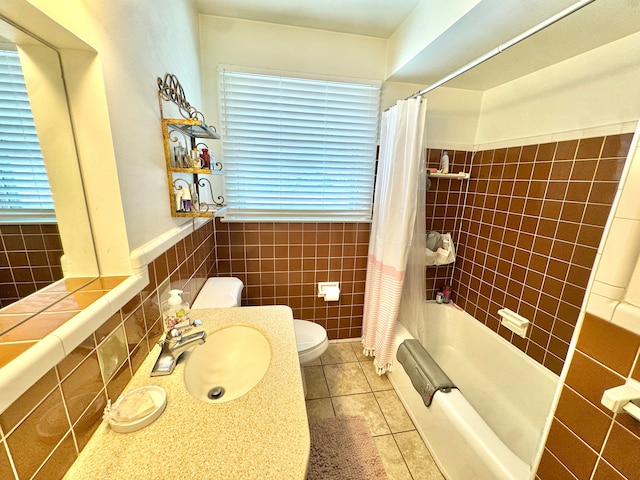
(176, 332)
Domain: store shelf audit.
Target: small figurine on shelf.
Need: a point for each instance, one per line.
(206, 158)
(195, 201)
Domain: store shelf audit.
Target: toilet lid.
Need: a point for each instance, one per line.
(308, 334)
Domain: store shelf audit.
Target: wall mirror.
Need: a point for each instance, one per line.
(40, 246)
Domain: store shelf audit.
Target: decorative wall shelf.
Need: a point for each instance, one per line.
(452, 176)
(185, 153)
(193, 128)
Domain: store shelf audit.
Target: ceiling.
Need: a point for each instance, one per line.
(488, 25)
(373, 18)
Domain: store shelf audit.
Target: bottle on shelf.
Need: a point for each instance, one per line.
(186, 200)
(444, 162)
(206, 158)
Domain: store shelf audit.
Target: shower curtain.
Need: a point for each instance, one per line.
(394, 213)
(414, 292)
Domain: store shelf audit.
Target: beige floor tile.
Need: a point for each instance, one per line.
(394, 412)
(357, 350)
(392, 458)
(319, 408)
(345, 379)
(338, 353)
(417, 456)
(316, 383)
(363, 405)
(377, 382)
(313, 362)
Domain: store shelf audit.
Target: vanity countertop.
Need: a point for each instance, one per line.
(263, 434)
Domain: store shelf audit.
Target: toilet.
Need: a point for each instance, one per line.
(312, 341)
(226, 292)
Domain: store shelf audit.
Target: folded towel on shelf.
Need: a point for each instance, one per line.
(440, 250)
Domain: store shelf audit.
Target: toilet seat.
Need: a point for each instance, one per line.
(311, 340)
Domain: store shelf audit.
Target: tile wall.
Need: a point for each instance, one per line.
(282, 263)
(29, 259)
(527, 228)
(586, 440)
(42, 433)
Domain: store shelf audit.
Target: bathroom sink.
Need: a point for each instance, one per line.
(228, 365)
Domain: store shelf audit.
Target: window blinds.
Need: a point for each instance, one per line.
(24, 188)
(298, 149)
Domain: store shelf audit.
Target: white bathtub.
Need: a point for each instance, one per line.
(490, 428)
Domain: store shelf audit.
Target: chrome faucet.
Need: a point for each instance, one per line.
(175, 344)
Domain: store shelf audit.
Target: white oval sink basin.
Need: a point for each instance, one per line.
(229, 364)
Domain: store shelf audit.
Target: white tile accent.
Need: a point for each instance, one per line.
(620, 252)
(628, 206)
(627, 316)
(600, 306)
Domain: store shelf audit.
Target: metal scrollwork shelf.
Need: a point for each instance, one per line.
(185, 154)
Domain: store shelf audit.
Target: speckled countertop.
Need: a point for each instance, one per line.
(261, 435)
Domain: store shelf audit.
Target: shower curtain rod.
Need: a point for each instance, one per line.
(501, 48)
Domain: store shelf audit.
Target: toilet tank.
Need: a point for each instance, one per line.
(219, 292)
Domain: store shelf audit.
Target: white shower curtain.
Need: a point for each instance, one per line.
(392, 226)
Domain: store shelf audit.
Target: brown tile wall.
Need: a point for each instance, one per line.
(29, 260)
(42, 432)
(586, 438)
(527, 227)
(282, 263)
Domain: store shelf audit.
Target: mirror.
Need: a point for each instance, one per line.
(39, 250)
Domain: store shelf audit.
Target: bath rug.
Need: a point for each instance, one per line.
(342, 449)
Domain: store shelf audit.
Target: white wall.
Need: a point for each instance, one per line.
(452, 113)
(136, 43)
(592, 90)
(429, 20)
(452, 118)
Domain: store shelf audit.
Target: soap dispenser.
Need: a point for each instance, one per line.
(175, 311)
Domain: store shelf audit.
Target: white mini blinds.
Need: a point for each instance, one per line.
(25, 194)
(297, 149)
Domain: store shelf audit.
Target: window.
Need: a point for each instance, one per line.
(24, 187)
(298, 149)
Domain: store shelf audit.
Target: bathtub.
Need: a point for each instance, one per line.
(489, 428)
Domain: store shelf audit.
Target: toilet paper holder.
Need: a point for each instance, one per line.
(330, 291)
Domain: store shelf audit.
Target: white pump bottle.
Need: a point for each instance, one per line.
(175, 311)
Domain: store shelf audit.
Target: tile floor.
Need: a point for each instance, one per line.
(343, 382)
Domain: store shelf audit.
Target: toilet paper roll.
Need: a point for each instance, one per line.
(332, 294)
